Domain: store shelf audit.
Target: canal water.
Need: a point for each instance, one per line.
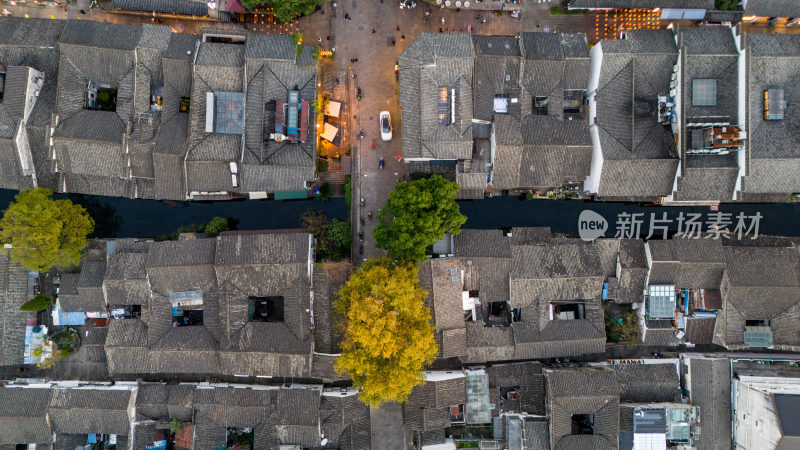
(122, 217)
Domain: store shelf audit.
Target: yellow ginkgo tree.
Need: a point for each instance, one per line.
(388, 335)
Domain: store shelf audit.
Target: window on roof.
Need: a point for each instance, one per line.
(567, 311)
(101, 97)
(239, 438)
(498, 314)
(126, 311)
(187, 308)
(583, 424)
(266, 309)
(224, 39)
(540, 106)
(704, 92)
(186, 102)
(501, 104)
(757, 333)
(457, 414)
(443, 106)
(774, 104)
(156, 98)
(573, 99)
(2, 82)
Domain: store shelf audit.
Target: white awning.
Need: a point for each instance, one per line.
(329, 132)
(332, 109)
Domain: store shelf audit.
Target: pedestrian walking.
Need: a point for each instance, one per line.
(398, 28)
(393, 42)
(354, 75)
(337, 81)
(355, 60)
(402, 37)
(373, 31)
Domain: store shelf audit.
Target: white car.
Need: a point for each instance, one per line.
(386, 126)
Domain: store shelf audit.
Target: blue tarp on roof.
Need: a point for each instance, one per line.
(61, 318)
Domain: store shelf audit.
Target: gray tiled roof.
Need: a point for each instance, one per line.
(10, 170)
(707, 183)
(774, 155)
(179, 44)
(772, 8)
(216, 54)
(432, 61)
(236, 249)
(554, 46)
(13, 293)
(100, 35)
(583, 391)
(640, 154)
(270, 46)
(192, 7)
(723, 69)
(22, 416)
(708, 41)
(495, 45)
(527, 377)
(710, 390)
(648, 383)
(648, 4)
(18, 31)
(439, 394)
(637, 179)
(344, 421)
(228, 270)
(84, 411)
(481, 243)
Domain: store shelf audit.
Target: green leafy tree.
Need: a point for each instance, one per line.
(388, 335)
(216, 226)
(285, 10)
(45, 232)
(333, 237)
(36, 304)
(727, 5)
(341, 236)
(416, 215)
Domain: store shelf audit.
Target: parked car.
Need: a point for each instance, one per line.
(386, 126)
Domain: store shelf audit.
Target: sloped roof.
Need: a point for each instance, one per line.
(771, 8)
(13, 293)
(647, 4)
(430, 62)
(773, 144)
(84, 411)
(583, 391)
(188, 7)
(640, 154)
(710, 390)
(228, 271)
(22, 416)
(647, 383)
(101, 35)
(473, 243)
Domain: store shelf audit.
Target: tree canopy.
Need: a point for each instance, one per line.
(45, 232)
(333, 238)
(36, 304)
(416, 215)
(388, 335)
(284, 10)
